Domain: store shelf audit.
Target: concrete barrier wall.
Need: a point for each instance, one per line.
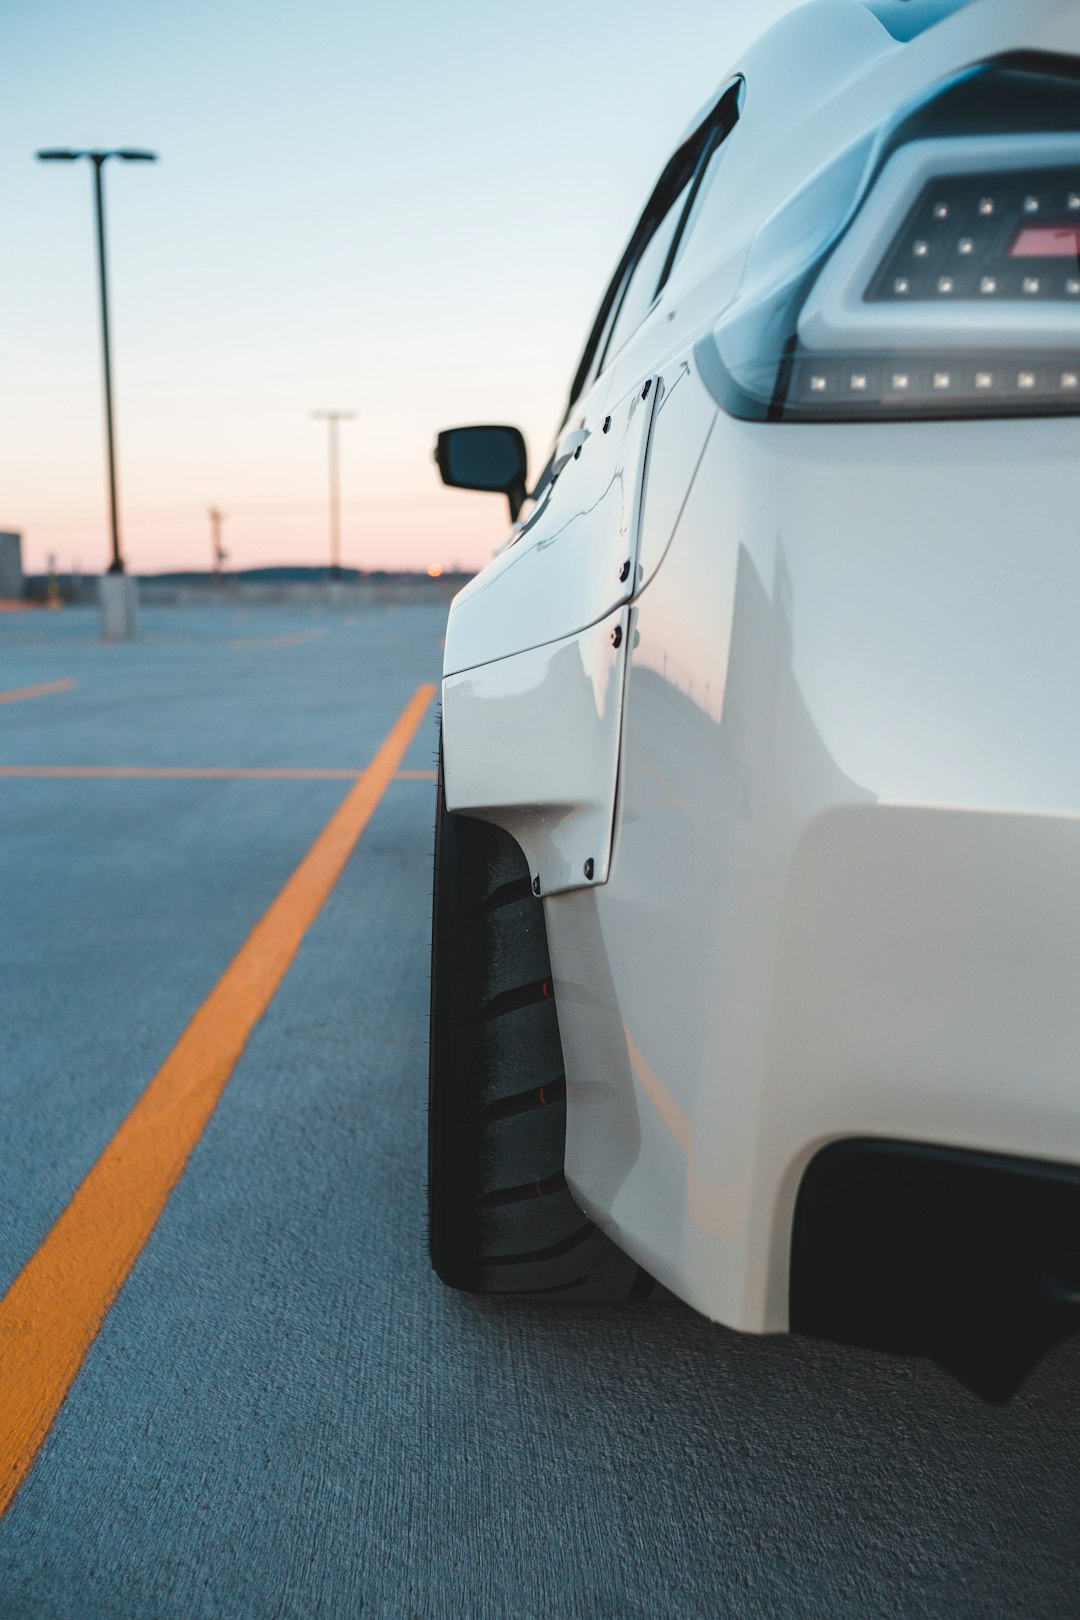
(233, 593)
(11, 573)
(264, 593)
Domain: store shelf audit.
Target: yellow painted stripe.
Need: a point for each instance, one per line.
(55, 1307)
(293, 640)
(17, 693)
(205, 772)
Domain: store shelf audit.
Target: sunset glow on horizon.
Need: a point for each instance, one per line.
(388, 212)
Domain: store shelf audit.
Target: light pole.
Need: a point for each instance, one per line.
(99, 160)
(332, 418)
(218, 554)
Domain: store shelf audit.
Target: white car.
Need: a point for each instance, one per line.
(757, 922)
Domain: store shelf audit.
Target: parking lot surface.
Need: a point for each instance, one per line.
(283, 1413)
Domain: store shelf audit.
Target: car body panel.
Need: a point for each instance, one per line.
(848, 831)
(682, 421)
(574, 559)
(551, 786)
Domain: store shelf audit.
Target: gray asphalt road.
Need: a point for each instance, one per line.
(284, 1414)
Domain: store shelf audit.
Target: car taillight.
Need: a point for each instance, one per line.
(932, 272)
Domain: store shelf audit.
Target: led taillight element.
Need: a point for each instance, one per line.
(1048, 242)
(969, 306)
(1002, 235)
(922, 384)
(930, 271)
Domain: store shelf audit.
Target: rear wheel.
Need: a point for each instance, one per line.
(501, 1218)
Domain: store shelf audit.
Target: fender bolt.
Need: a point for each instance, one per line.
(536, 885)
(589, 868)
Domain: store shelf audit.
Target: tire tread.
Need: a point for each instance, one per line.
(501, 1217)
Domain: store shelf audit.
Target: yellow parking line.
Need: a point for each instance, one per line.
(278, 641)
(53, 1310)
(17, 693)
(206, 772)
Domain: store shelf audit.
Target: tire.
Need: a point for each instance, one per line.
(501, 1218)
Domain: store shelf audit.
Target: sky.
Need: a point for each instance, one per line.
(408, 211)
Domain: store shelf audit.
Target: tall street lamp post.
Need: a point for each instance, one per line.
(98, 159)
(218, 554)
(332, 418)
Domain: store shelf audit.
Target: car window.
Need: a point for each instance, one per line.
(703, 219)
(658, 230)
(643, 282)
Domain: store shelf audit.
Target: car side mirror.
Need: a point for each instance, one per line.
(488, 458)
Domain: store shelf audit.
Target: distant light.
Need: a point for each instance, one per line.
(434, 570)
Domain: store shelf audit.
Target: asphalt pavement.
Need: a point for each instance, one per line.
(284, 1413)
